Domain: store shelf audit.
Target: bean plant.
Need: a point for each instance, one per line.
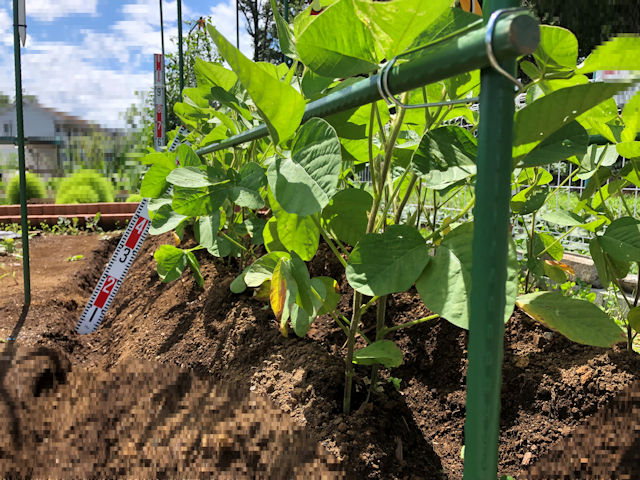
(284, 193)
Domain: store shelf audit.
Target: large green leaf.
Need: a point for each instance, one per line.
(395, 25)
(285, 34)
(346, 215)
(300, 274)
(304, 184)
(529, 200)
(619, 53)
(445, 156)
(452, 20)
(388, 262)
(445, 285)
(262, 269)
(571, 139)
(631, 118)
(557, 50)
(195, 202)
(170, 262)
(629, 150)
(194, 266)
(349, 48)
(328, 291)
(206, 229)
(247, 184)
(578, 320)
(551, 112)
(214, 74)
(382, 352)
(154, 183)
(165, 219)
(622, 239)
(280, 105)
(544, 241)
(562, 217)
(292, 232)
(196, 177)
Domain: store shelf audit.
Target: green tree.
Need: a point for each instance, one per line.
(262, 27)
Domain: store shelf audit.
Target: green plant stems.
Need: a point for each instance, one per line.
(24, 221)
(515, 34)
(329, 242)
(351, 340)
(381, 310)
(411, 323)
(489, 269)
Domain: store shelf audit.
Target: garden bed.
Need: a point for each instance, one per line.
(196, 340)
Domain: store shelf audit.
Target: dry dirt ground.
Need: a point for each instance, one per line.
(184, 382)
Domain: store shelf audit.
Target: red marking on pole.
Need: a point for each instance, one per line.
(136, 233)
(109, 283)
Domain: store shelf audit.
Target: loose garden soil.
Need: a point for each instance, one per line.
(187, 382)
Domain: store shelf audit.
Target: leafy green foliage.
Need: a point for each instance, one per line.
(578, 320)
(304, 184)
(84, 186)
(388, 262)
(445, 285)
(279, 104)
(35, 188)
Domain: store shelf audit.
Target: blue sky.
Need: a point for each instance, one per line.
(89, 57)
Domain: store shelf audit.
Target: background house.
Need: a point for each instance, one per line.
(53, 140)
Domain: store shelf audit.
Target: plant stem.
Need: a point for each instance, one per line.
(348, 372)
(568, 232)
(366, 306)
(394, 195)
(234, 242)
(329, 241)
(405, 199)
(461, 214)
(410, 324)
(380, 327)
(395, 131)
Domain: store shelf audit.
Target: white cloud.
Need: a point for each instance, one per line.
(47, 11)
(223, 17)
(6, 27)
(97, 78)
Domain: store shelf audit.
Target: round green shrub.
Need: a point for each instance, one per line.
(35, 188)
(78, 187)
(134, 197)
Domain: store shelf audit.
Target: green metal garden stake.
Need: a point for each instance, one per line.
(489, 269)
(23, 179)
(180, 56)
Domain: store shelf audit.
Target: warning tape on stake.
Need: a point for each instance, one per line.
(120, 262)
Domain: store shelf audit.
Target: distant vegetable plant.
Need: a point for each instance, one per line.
(301, 184)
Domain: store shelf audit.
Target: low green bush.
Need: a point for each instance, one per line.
(85, 186)
(134, 197)
(35, 188)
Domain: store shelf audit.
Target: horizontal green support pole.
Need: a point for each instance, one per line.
(515, 34)
(31, 140)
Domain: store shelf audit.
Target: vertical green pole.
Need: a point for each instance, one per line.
(286, 10)
(489, 270)
(23, 179)
(180, 56)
